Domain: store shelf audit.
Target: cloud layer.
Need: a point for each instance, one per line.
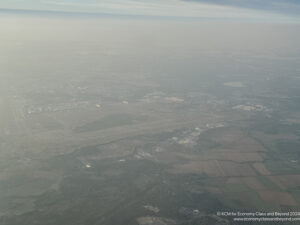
(239, 10)
(280, 6)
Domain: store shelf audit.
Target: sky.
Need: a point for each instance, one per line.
(238, 10)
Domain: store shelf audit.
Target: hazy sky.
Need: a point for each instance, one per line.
(253, 10)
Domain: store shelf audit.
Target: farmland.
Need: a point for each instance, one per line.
(97, 129)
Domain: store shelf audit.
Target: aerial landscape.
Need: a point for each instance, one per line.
(138, 120)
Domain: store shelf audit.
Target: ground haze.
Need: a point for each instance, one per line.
(107, 120)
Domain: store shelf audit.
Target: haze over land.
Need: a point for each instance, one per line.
(132, 116)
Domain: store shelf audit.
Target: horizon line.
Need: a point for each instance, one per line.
(42, 12)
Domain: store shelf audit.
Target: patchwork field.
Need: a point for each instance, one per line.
(122, 122)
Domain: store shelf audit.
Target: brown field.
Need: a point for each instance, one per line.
(246, 144)
(251, 182)
(260, 168)
(238, 156)
(270, 137)
(168, 157)
(276, 197)
(211, 168)
(231, 169)
(224, 155)
(214, 168)
(214, 190)
(286, 181)
(149, 220)
(226, 135)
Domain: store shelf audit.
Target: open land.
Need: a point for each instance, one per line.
(145, 142)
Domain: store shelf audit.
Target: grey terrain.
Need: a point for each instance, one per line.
(106, 121)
